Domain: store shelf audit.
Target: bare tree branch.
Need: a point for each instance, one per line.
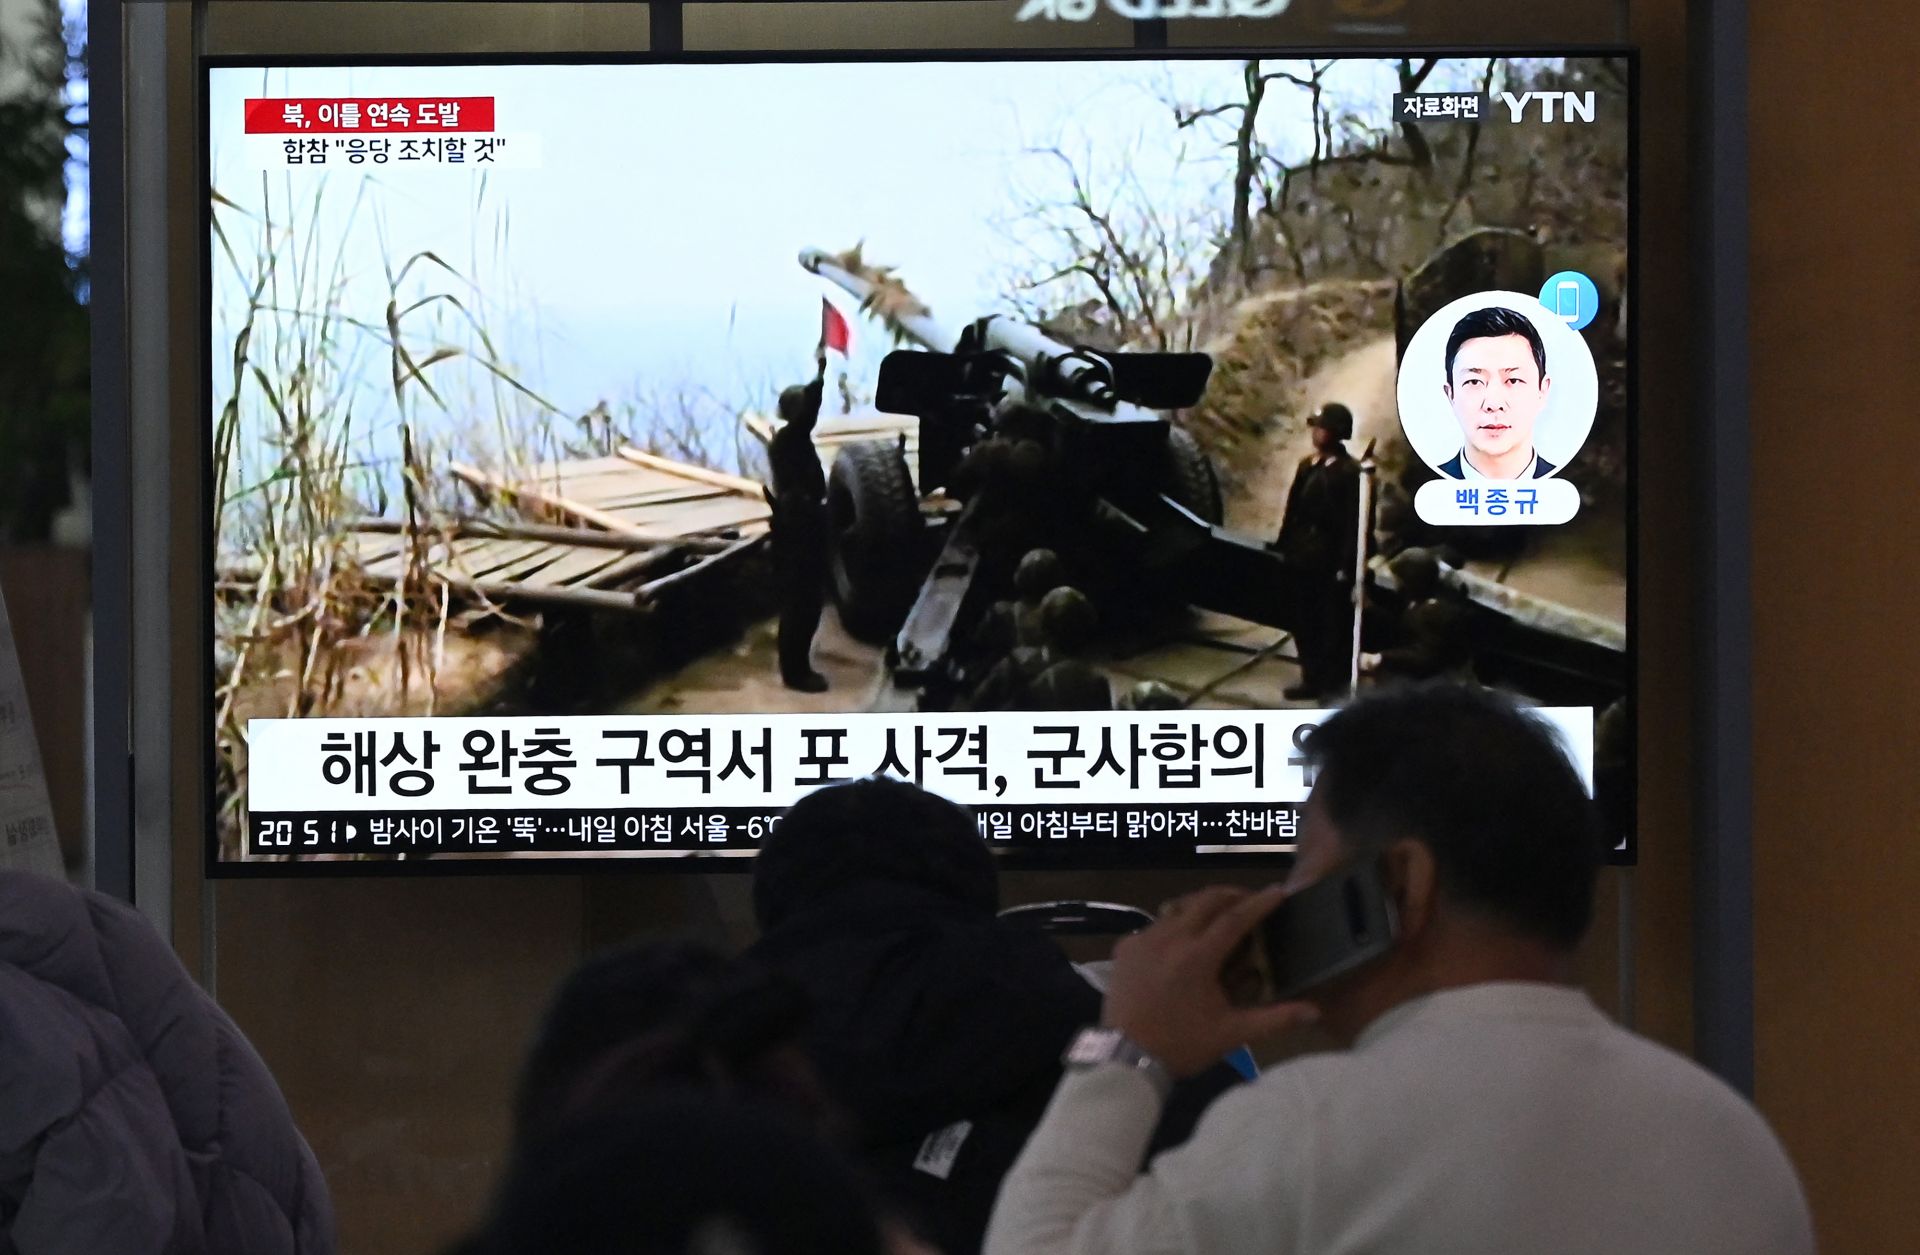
(1410, 80)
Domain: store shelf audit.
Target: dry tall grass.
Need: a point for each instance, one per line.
(294, 465)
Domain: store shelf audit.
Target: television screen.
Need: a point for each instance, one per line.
(600, 456)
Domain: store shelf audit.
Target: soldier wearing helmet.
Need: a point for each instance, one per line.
(799, 500)
(1432, 637)
(1318, 536)
(1051, 675)
(1016, 620)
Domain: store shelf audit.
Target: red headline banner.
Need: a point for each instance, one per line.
(332, 115)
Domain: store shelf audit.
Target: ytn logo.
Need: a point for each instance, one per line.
(1141, 10)
(1571, 105)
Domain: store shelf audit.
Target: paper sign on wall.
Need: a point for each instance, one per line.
(28, 841)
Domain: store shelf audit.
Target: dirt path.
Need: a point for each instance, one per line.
(1361, 380)
(743, 677)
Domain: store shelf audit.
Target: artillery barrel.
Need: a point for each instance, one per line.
(1053, 368)
(921, 327)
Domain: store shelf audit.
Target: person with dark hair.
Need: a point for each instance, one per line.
(1497, 383)
(936, 1025)
(1481, 1102)
(667, 1013)
(1319, 534)
(680, 1173)
(799, 500)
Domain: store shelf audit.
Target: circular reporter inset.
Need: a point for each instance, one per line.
(1495, 391)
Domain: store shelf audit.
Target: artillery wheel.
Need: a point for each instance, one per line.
(1189, 478)
(876, 547)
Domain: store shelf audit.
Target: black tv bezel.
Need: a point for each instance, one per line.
(1626, 854)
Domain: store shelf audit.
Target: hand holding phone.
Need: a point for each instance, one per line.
(1164, 990)
(1329, 928)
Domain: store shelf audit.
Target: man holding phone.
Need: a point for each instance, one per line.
(1479, 1101)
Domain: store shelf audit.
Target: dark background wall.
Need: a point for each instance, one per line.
(1836, 717)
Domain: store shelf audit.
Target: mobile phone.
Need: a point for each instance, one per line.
(1329, 928)
(1567, 297)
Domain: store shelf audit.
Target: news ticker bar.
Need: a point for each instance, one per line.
(649, 764)
(1206, 827)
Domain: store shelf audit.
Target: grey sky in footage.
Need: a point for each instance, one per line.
(657, 239)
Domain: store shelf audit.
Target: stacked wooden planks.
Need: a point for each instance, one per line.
(610, 533)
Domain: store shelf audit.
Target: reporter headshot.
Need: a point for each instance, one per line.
(1497, 383)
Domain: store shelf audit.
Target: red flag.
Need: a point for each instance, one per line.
(834, 332)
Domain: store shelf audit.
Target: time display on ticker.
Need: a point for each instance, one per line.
(1197, 827)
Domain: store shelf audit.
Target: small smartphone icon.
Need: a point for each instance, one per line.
(1332, 926)
(1566, 299)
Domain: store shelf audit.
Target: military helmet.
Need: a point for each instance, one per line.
(793, 402)
(1150, 695)
(1027, 461)
(1336, 418)
(1417, 571)
(1068, 618)
(1038, 574)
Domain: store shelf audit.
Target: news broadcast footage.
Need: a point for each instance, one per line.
(602, 456)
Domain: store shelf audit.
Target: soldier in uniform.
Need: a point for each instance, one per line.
(1016, 620)
(1051, 675)
(799, 500)
(1318, 535)
(1433, 637)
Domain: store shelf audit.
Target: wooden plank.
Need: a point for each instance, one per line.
(484, 559)
(718, 514)
(639, 567)
(579, 566)
(585, 468)
(655, 500)
(384, 532)
(879, 431)
(473, 558)
(392, 563)
(650, 592)
(573, 596)
(524, 495)
(569, 596)
(633, 480)
(373, 549)
(737, 483)
(530, 569)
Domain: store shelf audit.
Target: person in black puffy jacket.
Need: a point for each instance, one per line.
(135, 1119)
(936, 1026)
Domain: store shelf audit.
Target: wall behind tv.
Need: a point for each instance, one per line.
(1835, 247)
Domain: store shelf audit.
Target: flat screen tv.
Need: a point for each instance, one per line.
(601, 454)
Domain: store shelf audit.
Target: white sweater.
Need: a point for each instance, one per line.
(1498, 1119)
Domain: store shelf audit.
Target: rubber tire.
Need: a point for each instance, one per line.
(876, 557)
(1189, 477)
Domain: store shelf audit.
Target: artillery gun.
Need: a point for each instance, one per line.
(1091, 467)
(1025, 441)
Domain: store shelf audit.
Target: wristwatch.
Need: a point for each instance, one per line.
(1097, 1047)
